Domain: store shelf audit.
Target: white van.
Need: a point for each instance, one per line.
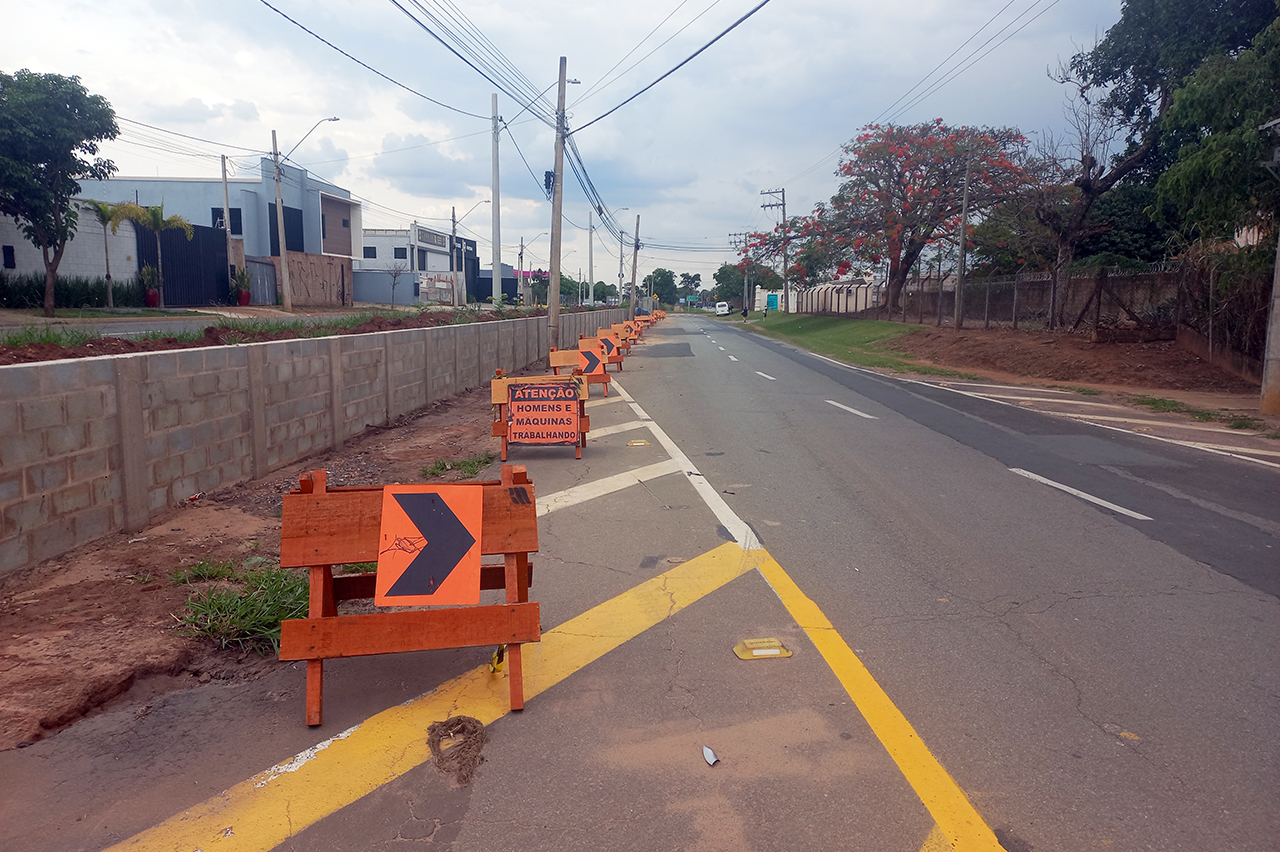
(722, 309)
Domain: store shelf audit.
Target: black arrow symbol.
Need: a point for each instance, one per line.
(447, 541)
(593, 360)
(607, 342)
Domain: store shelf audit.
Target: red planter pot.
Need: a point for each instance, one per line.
(152, 298)
(243, 297)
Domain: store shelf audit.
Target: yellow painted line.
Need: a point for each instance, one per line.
(261, 813)
(951, 809)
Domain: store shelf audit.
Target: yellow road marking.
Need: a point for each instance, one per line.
(259, 814)
(951, 809)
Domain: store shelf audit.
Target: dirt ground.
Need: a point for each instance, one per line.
(96, 628)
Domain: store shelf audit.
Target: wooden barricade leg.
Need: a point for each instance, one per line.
(321, 605)
(516, 566)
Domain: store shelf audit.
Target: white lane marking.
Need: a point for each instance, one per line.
(852, 410)
(1082, 495)
(766, 375)
(737, 528)
(1055, 400)
(606, 431)
(1002, 387)
(721, 348)
(604, 400)
(731, 358)
(300, 759)
(601, 487)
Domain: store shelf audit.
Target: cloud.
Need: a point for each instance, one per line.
(322, 157)
(244, 111)
(415, 165)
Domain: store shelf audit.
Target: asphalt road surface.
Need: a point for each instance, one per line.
(1008, 631)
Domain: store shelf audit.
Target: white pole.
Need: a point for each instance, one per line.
(286, 298)
(497, 210)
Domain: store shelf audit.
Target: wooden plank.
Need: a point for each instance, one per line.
(416, 630)
(354, 587)
(342, 525)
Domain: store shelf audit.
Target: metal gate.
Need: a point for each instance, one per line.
(262, 272)
(195, 270)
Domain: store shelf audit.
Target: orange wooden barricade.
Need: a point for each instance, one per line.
(322, 527)
(499, 394)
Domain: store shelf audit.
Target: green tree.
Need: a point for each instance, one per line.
(662, 284)
(603, 292)
(729, 278)
(153, 220)
(50, 127)
(1217, 182)
(103, 212)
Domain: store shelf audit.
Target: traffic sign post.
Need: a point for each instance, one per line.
(322, 527)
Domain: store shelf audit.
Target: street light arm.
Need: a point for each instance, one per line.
(308, 133)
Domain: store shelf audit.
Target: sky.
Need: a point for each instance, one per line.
(767, 106)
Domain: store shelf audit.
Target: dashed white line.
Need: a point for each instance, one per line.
(731, 358)
(600, 487)
(852, 410)
(1082, 495)
(721, 348)
(606, 431)
(766, 375)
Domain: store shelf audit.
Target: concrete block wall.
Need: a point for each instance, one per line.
(100, 445)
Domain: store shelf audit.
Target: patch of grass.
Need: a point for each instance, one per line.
(356, 568)
(858, 342)
(44, 334)
(1275, 436)
(246, 613)
(205, 570)
(1082, 391)
(1233, 421)
(469, 467)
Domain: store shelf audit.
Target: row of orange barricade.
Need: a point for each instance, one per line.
(551, 409)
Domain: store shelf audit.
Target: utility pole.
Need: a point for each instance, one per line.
(635, 260)
(286, 298)
(557, 204)
(1271, 354)
(497, 209)
(958, 321)
(226, 217)
(591, 258)
(455, 260)
(520, 277)
(786, 238)
(737, 241)
(622, 235)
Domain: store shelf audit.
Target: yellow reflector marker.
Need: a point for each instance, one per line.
(760, 649)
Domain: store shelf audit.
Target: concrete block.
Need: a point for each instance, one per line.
(216, 359)
(18, 451)
(60, 377)
(159, 365)
(63, 440)
(105, 432)
(107, 491)
(8, 418)
(204, 384)
(43, 412)
(42, 478)
(52, 538)
(164, 417)
(191, 412)
(166, 470)
(99, 372)
(88, 465)
(85, 405)
(25, 515)
(230, 380)
(204, 433)
(179, 441)
(19, 381)
(94, 523)
(216, 406)
(157, 499)
(209, 479)
(177, 390)
(182, 488)
(67, 501)
(10, 486)
(190, 362)
(195, 461)
(13, 553)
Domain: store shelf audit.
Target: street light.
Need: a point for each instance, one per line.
(286, 296)
(453, 249)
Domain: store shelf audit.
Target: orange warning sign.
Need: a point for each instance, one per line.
(591, 356)
(543, 413)
(429, 545)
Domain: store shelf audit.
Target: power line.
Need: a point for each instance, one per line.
(725, 32)
(369, 67)
(193, 138)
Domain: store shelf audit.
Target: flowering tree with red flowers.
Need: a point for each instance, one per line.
(903, 189)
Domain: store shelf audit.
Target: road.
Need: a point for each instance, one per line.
(983, 659)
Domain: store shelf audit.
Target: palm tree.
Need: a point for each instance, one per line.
(103, 212)
(154, 220)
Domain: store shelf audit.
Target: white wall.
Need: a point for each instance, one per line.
(83, 255)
